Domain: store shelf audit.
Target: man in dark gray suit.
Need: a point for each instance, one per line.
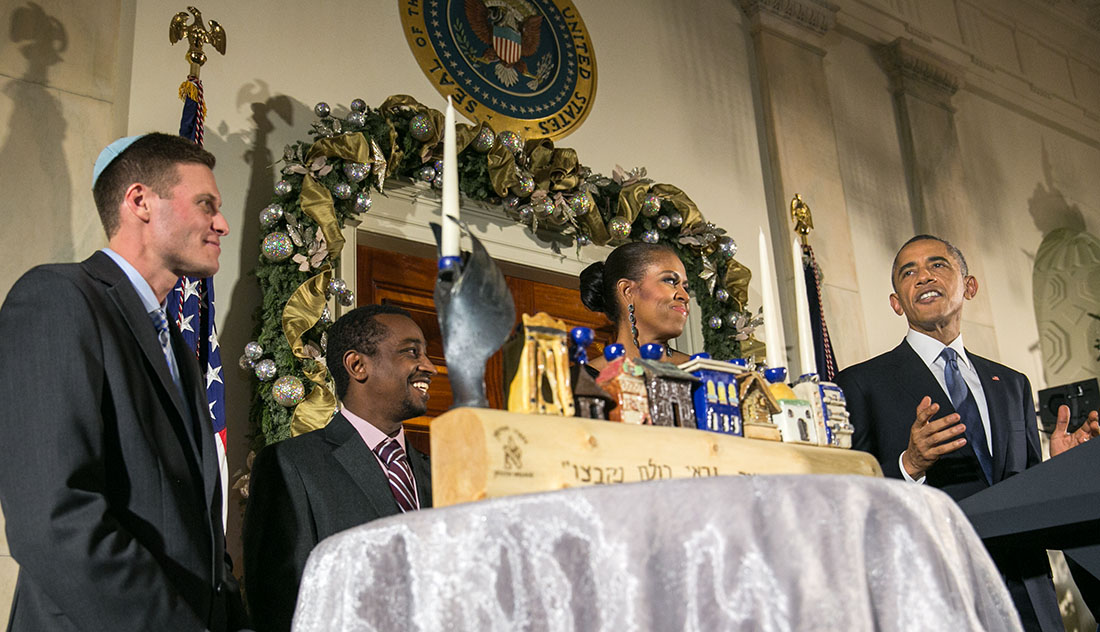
(356, 469)
(108, 470)
(933, 412)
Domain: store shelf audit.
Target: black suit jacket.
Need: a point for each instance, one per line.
(303, 490)
(882, 395)
(108, 478)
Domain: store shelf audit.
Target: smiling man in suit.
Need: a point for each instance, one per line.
(108, 470)
(356, 469)
(934, 413)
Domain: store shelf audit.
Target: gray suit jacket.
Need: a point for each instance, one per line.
(302, 490)
(108, 479)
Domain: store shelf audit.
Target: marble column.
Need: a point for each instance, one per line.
(800, 156)
(923, 86)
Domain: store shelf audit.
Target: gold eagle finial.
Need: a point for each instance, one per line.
(803, 219)
(197, 36)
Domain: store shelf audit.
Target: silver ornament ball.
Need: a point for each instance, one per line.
(322, 109)
(426, 173)
(246, 363)
(511, 203)
(288, 391)
(253, 350)
(510, 141)
(282, 187)
(663, 222)
(728, 246)
(342, 190)
(715, 322)
(438, 164)
(437, 183)
(277, 246)
(336, 286)
(525, 186)
(484, 140)
(421, 127)
(651, 236)
(525, 213)
(358, 105)
(676, 219)
(326, 316)
(362, 202)
(270, 216)
(619, 228)
(346, 298)
(356, 118)
(265, 369)
(721, 295)
(355, 171)
(651, 205)
(584, 240)
(580, 204)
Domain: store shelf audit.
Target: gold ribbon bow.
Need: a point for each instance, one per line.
(301, 313)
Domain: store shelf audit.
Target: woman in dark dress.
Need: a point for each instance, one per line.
(642, 288)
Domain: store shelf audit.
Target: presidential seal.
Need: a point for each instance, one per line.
(520, 65)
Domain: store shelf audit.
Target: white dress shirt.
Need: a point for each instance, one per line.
(929, 350)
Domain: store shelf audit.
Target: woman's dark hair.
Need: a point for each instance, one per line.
(628, 261)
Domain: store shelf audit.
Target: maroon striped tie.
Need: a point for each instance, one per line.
(397, 470)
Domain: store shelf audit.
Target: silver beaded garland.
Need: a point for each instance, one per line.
(277, 246)
(510, 141)
(619, 228)
(356, 118)
(288, 391)
(342, 190)
(265, 369)
(356, 171)
(362, 202)
(322, 109)
(421, 127)
(253, 350)
(663, 222)
(270, 216)
(651, 205)
(715, 322)
(282, 187)
(426, 173)
(651, 236)
(484, 140)
(358, 105)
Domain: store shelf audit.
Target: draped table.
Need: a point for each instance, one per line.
(797, 552)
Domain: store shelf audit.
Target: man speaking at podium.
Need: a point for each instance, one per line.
(975, 421)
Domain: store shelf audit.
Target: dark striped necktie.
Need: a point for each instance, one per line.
(397, 470)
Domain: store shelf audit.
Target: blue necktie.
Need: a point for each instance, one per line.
(963, 401)
(160, 321)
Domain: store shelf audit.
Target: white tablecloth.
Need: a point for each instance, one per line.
(834, 553)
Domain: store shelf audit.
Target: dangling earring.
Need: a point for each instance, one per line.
(633, 326)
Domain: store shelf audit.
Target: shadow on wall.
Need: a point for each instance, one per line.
(35, 171)
(272, 116)
(1066, 291)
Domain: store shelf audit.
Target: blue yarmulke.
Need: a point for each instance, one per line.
(109, 153)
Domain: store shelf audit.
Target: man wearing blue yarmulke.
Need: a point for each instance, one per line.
(108, 470)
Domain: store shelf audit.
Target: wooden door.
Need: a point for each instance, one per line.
(408, 281)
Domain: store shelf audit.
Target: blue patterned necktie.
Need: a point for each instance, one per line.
(963, 401)
(398, 472)
(160, 321)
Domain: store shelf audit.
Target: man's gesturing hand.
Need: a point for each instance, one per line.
(1060, 440)
(929, 440)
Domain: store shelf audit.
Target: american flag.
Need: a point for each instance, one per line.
(191, 304)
